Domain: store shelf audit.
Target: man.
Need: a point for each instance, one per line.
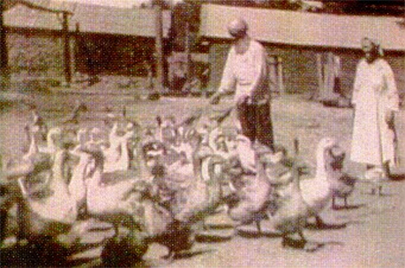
(246, 74)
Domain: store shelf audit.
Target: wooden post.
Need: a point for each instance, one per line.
(330, 77)
(280, 78)
(272, 74)
(76, 47)
(4, 74)
(66, 49)
(159, 47)
(320, 74)
(188, 53)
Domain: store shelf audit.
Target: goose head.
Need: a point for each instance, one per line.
(168, 129)
(153, 153)
(277, 172)
(40, 124)
(82, 136)
(97, 136)
(51, 138)
(216, 140)
(329, 156)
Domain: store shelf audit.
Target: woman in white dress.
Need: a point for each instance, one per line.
(375, 99)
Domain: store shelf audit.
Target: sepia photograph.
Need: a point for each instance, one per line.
(202, 133)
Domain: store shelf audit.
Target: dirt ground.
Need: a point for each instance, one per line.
(373, 236)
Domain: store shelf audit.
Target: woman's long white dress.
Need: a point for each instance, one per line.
(374, 94)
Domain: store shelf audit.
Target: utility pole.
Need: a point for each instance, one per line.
(160, 78)
(4, 72)
(188, 50)
(66, 50)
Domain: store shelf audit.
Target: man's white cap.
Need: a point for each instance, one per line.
(238, 27)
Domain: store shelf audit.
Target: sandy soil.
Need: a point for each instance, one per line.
(373, 236)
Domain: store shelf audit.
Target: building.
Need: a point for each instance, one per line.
(307, 51)
(102, 39)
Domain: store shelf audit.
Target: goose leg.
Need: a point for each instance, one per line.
(320, 223)
(259, 227)
(20, 221)
(170, 255)
(301, 234)
(116, 229)
(204, 225)
(284, 241)
(3, 221)
(334, 207)
(294, 242)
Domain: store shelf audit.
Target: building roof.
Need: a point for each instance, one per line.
(91, 19)
(304, 29)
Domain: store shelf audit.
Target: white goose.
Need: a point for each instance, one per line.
(51, 137)
(246, 153)
(55, 205)
(77, 185)
(194, 198)
(317, 192)
(117, 154)
(123, 196)
(50, 209)
(253, 193)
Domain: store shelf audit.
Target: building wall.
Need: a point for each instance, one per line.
(300, 67)
(35, 54)
(114, 55)
(41, 54)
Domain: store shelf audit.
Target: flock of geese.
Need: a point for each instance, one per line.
(155, 184)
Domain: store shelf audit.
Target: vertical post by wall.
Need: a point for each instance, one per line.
(188, 52)
(319, 68)
(66, 50)
(280, 77)
(4, 71)
(76, 49)
(272, 75)
(159, 47)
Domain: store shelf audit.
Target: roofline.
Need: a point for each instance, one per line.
(227, 41)
(207, 35)
(22, 30)
(41, 8)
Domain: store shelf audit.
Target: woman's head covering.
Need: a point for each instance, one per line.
(238, 28)
(376, 45)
